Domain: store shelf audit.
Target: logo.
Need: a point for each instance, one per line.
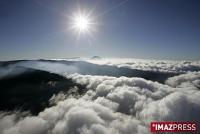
(173, 127)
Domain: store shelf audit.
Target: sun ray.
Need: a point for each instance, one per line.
(81, 23)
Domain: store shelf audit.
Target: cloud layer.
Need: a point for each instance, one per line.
(61, 67)
(151, 65)
(113, 105)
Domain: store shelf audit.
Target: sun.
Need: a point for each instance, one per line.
(82, 23)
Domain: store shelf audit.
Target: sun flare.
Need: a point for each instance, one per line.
(82, 24)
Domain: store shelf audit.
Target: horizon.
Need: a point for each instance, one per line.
(101, 58)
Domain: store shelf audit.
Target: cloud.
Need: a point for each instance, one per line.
(80, 116)
(112, 105)
(29, 125)
(19, 67)
(6, 121)
(10, 71)
(146, 100)
(147, 69)
(83, 67)
(108, 104)
(191, 79)
(150, 65)
(177, 106)
(50, 66)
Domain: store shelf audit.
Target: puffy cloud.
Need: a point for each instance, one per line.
(29, 125)
(146, 100)
(82, 116)
(6, 121)
(191, 79)
(175, 107)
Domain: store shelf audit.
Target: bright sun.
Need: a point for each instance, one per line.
(82, 23)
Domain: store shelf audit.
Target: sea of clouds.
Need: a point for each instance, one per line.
(115, 105)
(151, 65)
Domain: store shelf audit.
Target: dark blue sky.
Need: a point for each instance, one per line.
(152, 29)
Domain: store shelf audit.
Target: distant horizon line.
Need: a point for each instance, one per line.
(92, 57)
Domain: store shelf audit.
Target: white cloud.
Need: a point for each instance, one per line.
(150, 65)
(70, 66)
(190, 79)
(6, 121)
(113, 106)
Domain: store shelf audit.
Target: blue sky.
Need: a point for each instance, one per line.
(149, 29)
